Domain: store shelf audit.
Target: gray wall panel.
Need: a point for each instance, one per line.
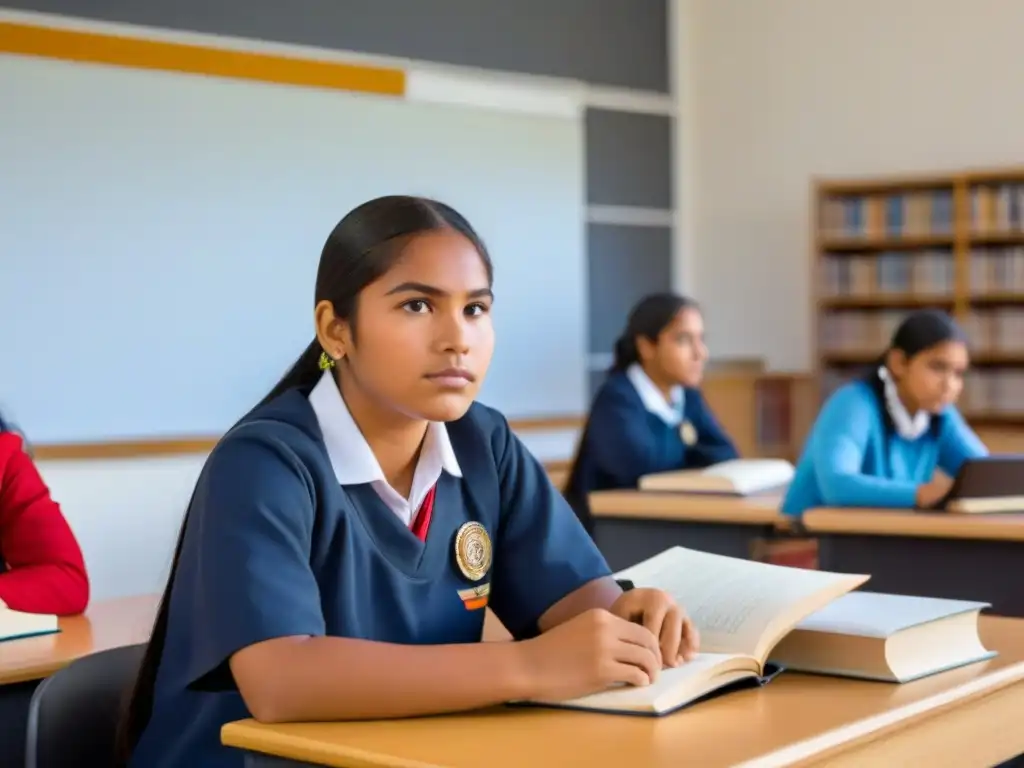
(624, 264)
(621, 43)
(629, 159)
(596, 379)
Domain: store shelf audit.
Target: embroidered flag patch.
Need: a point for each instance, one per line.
(475, 598)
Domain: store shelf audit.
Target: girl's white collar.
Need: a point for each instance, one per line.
(670, 411)
(908, 427)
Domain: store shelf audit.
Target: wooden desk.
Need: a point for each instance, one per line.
(967, 717)
(630, 526)
(106, 624)
(971, 557)
(23, 663)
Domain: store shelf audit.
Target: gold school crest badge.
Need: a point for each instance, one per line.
(688, 433)
(475, 598)
(473, 551)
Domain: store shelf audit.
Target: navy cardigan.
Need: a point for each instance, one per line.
(622, 441)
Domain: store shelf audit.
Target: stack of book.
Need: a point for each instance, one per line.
(757, 620)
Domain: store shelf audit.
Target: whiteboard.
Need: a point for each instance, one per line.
(160, 232)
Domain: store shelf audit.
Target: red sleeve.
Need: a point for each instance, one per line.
(45, 571)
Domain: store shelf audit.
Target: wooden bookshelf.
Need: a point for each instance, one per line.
(767, 414)
(885, 246)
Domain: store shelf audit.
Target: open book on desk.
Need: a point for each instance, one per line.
(893, 638)
(741, 608)
(16, 624)
(737, 477)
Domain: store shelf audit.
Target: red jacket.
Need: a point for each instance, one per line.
(45, 571)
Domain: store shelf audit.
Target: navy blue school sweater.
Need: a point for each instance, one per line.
(623, 441)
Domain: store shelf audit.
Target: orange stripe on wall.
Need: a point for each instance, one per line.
(94, 48)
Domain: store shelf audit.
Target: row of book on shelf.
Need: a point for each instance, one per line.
(997, 270)
(997, 208)
(926, 273)
(994, 209)
(859, 332)
(900, 214)
(999, 330)
(995, 392)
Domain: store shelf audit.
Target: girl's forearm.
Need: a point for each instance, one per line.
(332, 678)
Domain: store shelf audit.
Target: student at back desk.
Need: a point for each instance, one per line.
(41, 564)
(893, 438)
(345, 536)
(649, 415)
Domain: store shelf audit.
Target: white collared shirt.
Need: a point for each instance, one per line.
(353, 460)
(653, 399)
(908, 427)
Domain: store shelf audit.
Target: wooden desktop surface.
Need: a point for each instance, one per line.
(105, 624)
(687, 507)
(903, 522)
(968, 716)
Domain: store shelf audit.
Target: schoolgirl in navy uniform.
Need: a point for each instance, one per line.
(894, 438)
(343, 537)
(649, 415)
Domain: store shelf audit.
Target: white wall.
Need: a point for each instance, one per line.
(166, 227)
(126, 513)
(780, 91)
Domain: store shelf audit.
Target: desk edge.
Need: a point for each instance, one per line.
(851, 734)
(245, 735)
(665, 505)
(829, 521)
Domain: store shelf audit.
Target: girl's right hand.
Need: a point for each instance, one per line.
(589, 653)
(931, 493)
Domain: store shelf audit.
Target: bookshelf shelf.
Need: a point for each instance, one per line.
(895, 301)
(953, 241)
(996, 297)
(998, 238)
(985, 358)
(983, 418)
(847, 244)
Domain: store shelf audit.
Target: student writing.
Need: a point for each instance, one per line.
(649, 415)
(41, 564)
(344, 537)
(893, 438)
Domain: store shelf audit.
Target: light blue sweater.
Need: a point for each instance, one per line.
(854, 458)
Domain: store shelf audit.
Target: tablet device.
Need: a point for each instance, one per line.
(987, 485)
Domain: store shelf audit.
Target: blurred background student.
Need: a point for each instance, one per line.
(649, 415)
(895, 437)
(41, 565)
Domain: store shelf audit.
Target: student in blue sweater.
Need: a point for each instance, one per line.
(345, 536)
(649, 415)
(895, 437)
